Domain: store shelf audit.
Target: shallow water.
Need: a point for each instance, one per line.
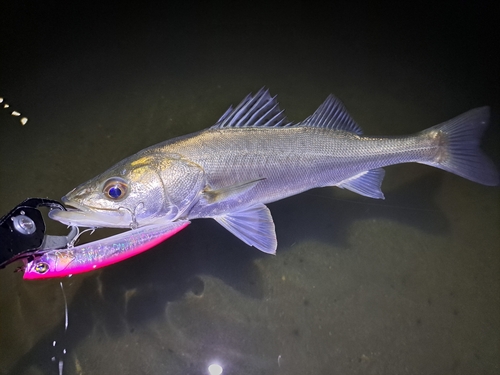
(405, 285)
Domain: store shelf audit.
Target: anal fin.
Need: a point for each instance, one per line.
(253, 225)
(366, 183)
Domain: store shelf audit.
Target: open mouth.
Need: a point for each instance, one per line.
(85, 216)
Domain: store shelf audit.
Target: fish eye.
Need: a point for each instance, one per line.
(115, 189)
(41, 267)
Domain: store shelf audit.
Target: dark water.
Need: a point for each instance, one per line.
(406, 285)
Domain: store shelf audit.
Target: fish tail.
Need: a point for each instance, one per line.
(459, 152)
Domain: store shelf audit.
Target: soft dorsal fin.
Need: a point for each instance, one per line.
(332, 115)
(260, 110)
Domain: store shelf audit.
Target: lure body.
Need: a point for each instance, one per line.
(101, 253)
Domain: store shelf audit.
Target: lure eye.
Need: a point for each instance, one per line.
(41, 267)
(115, 189)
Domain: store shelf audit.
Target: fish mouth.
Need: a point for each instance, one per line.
(88, 216)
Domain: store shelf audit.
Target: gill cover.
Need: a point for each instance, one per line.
(155, 186)
(183, 182)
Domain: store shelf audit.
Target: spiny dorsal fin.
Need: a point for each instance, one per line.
(260, 110)
(332, 115)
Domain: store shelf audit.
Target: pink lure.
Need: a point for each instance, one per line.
(101, 253)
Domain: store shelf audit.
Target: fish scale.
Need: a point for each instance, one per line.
(327, 156)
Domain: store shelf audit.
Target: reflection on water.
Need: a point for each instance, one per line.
(408, 284)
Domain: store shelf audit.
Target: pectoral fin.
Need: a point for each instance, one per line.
(213, 196)
(367, 183)
(253, 225)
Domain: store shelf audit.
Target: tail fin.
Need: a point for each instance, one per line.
(459, 142)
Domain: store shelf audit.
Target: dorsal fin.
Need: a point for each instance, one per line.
(260, 110)
(332, 115)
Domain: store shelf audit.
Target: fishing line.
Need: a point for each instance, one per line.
(65, 307)
(61, 360)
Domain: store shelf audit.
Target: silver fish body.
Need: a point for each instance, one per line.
(291, 160)
(253, 156)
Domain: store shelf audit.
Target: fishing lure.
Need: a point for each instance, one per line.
(100, 253)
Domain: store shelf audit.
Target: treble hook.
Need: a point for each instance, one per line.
(78, 234)
(133, 224)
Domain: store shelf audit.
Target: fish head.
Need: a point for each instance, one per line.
(144, 189)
